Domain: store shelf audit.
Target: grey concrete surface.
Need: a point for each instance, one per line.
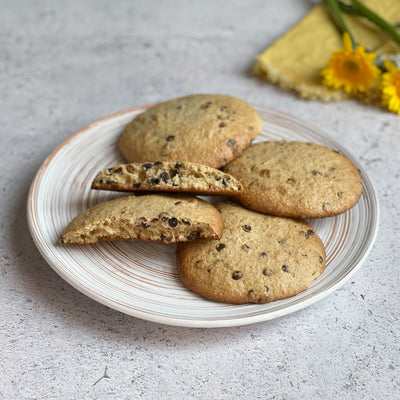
(66, 64)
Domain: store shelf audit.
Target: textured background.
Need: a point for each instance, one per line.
(66, 64)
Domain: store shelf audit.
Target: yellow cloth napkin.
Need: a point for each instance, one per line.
(296, 59)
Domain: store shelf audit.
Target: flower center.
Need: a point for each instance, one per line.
(351, 66)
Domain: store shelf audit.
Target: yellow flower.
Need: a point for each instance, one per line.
(391, 88)
(354, 70)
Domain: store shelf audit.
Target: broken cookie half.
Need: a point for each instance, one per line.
(167, 176)
(153, 217)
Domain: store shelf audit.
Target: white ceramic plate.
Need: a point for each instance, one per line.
(140, 278)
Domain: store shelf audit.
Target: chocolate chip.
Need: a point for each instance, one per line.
(178, 165)
(268, 271)
(118, 170)
(177, 203)
(170, 138)
(179, 108)
(154, 220)
(164, 216)
(158, 163)
(164, 176)
(162, 237)
(173, 222)
(220, 246)
(326, 206)
(154, 181)
(266, 288)
(315, 172)
(136, 185)
(246, 246)
(147, 165)
(230, 142)
(185, 221)
(237, 275)
(246, 228)
(222, 124)
(198, 261)
(285, 268)
(320, 259)
(282, 241)
(223, 181)
(192, 236)
(109, 169)
(145, 225)
(310, 232)
(330, 169)
(110, 182)
(263, 254)
(174, 173)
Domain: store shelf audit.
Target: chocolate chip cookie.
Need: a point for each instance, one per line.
(206, 129)
(167, 176)
(296, 179)
(259, 258)
(155, 217)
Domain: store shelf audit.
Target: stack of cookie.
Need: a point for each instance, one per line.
(255, 252)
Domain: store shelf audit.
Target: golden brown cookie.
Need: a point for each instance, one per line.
(168, 176)
(296, 179)
(259, 258)
(207, 129)
(155, 217)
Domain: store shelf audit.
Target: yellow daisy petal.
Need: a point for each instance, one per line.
(390, 87)
(347, 43)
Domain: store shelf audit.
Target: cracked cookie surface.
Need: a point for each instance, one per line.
(259, 258)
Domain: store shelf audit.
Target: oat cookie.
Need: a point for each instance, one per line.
(296, 179)
(259, 258)
(206, 129)
(155, 217)
(167, 176)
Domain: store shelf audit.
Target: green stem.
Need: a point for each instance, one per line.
(349, 9)
(336, 15)
(376, 19)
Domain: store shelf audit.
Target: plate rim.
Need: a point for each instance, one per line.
(202, 323)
